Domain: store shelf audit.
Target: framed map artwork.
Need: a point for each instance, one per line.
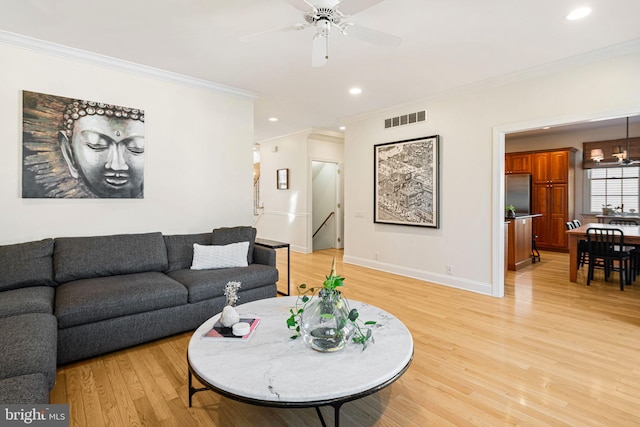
(406, 187)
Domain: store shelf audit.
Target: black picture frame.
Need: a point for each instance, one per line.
(282, 179)
(407, 182)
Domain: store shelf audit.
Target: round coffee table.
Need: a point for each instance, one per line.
(271, 369)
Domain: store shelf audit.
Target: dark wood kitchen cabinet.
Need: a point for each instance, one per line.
(519, 242)
(551, 167)
(552, 196)
(517, 163)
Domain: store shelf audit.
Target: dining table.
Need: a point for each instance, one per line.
(631, 237)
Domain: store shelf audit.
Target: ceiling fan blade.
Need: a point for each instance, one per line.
(351, 7)
(255, 36)
(300, 5)
(369, 35)
(319, 51)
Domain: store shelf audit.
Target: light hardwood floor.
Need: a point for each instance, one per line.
(550, 352)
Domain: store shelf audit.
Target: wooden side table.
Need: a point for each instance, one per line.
(273, 244)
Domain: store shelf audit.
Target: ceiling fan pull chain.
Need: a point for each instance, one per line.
(326, 55)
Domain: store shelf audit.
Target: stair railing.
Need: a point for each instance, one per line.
(323, 224)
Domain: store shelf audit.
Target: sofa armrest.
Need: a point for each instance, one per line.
(264, 256)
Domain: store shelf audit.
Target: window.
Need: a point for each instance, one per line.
(617, 187)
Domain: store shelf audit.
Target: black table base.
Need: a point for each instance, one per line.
(335, 403)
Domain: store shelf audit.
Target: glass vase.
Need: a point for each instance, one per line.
(325, 324)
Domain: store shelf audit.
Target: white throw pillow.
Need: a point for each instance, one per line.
(219, 256)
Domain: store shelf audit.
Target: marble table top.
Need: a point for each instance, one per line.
(272, 368)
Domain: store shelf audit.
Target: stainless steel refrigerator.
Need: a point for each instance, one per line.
(518, 193)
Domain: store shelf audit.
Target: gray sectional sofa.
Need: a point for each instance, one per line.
(67, 299)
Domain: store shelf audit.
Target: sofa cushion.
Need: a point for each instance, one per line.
(24, 389)
(28, 345)
(180, 248)
(92, 300)
(219, 256)
(35, 299)
(206, 284)
(263, 255)
(77, 258)
(26, 264)
(226, 235)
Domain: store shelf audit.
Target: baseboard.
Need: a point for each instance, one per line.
(440, 279)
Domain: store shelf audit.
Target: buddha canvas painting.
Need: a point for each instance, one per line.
(74, 148)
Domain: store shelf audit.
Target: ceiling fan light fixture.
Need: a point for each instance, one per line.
(320, 50)
(323, 26)
(325, 14)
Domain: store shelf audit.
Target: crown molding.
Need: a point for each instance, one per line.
(40, 46)
(625, 48)
(309, 133)
(549, 68)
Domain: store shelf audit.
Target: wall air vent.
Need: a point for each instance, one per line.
(407, 119)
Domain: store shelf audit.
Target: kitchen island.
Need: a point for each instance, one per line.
(520, 235)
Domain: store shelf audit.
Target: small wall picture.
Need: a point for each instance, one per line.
(406, 182)
(282, 177)
(75, 148)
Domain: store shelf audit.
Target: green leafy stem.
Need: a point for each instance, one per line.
(362, 334)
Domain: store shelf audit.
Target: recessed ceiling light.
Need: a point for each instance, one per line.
(355, 91)
(579, 13)
(273, 119)
(546, 127)
(342, 127)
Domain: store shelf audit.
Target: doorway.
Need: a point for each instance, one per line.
(499, 136)
(326, 212)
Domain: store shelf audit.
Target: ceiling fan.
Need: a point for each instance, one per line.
(325, 15)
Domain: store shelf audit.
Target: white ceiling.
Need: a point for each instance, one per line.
(446, 44)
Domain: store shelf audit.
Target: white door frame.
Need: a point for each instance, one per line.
(339, 202)
(499, 133)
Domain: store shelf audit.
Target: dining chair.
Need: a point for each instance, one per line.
(606, 248)
(625, 221)
(583, 253)
(635, 254)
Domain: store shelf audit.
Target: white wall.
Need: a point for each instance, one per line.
(471, 125)
(287, 214)
(198, 153)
